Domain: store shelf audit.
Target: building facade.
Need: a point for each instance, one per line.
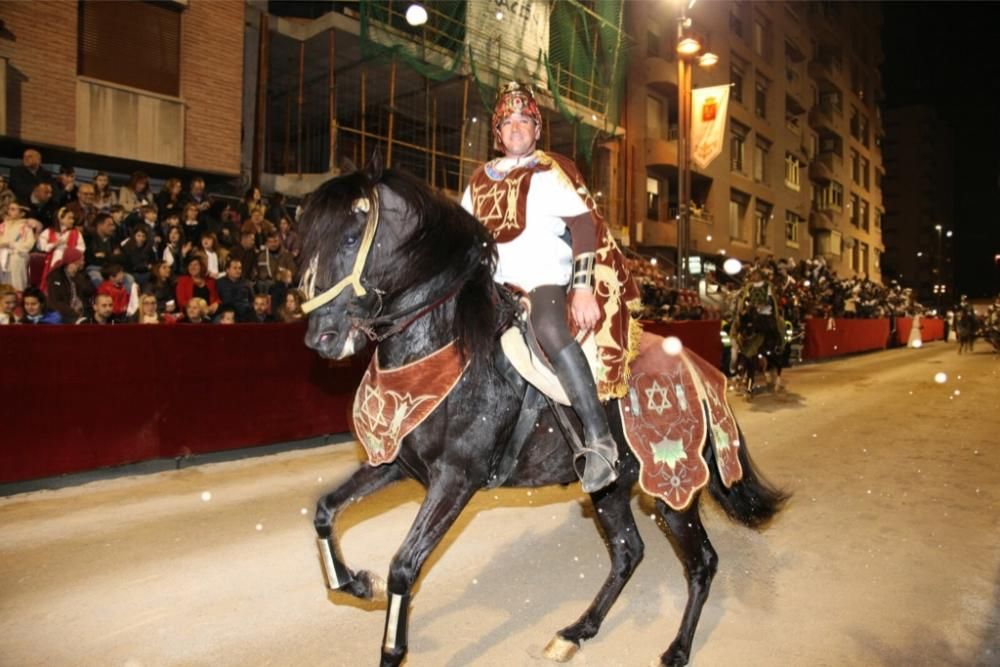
(920, 202)
(149, 85)
(800, 172)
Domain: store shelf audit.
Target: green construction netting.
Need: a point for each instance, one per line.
(575, 51)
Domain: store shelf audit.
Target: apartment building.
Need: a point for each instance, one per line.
(800, 173)
(920, 201)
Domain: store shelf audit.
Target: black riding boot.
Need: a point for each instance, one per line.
(600, 453)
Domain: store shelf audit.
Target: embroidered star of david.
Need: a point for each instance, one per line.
(373, 407)
(657, 392)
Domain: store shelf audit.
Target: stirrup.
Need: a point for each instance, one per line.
(599, 470)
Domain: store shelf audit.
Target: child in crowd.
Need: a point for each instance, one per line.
(114, 287)
(8, 305)
(139, 256)
(210, 251)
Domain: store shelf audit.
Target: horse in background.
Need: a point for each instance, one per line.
(758, 333)
(965, 329)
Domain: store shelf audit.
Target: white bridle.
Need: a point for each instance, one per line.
(353, 279)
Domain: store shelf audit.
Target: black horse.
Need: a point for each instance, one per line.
(966, 324)
(760, 340)
(424, 267)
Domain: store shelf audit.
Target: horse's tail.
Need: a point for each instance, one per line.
(753, 500)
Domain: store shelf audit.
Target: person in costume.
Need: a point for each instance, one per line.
(757, 300)
(552, 243)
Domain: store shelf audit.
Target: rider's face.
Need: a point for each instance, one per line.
(519, 134)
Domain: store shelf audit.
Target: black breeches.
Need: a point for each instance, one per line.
(548, 318)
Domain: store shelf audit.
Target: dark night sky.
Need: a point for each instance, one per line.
(945, 55)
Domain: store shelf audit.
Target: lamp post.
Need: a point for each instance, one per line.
(939, 278)
(688, 50)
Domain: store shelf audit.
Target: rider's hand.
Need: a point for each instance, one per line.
(584, 309)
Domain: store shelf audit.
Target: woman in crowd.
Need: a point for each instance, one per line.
(55, 240)
(215, 258)
(196, 312)
(192, 224)
(36, 310)
(104, 196)
(136, 193)
(161, 286)
(291, 311)
(6, 194)
(252, 201)
(169, 200)
(16, 241)
(289, 237)
(139, 256)
(175, 250)
(197, 284)
(148, 313)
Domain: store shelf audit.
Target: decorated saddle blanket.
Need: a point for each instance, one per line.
(673, 402)
(390, 403)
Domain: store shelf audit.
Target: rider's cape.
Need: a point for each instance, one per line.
(617, 332)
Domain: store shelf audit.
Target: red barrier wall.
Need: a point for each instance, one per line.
(700, 336)
(930, 329)
(84, 397)
(847, 336)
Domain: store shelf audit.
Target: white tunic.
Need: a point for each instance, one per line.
(539, 255)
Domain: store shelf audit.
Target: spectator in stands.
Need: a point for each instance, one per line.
(229, 223)
(276, 208)
(65, 186)
(102, 250)
(195, 313)
(291, 311)
(259, 226)
(253, 201)
(55, 240)
(139, 256)
(122, 233)
(227, 315)
(176, 250)
(234, 291)
(68, 289)
(145, 217)
(197, 284)
(148, 313)
(35, 309)
(196, 195)
(135, 193)
(246, 254)
(279, 290)
(83, 208)
(192, 223)
(104, 196)
(16, 240)
(161, 286)
(24, 177)
(6, 194)
(261, 310)
(214, 261)
(104, 311)
(114, 286)
(41, 207)
(8, 305)
(271, 258)
(170, 199)
(289, 237)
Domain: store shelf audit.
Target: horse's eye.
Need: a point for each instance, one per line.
(350, 240)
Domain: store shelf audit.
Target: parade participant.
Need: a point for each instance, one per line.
(55, 241)
(550, 236)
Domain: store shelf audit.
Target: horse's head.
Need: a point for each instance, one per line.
(375, 243)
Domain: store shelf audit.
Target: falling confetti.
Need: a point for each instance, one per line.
(940, 377)
(303, 511)
(958, 392)
(260, 526)
(672, 345)
(206, 495)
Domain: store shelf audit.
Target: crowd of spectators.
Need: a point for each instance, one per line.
(81, 252)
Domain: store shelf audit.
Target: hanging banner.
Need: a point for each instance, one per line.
(708, 123)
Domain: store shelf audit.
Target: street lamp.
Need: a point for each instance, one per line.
(939, 278)
(688, 50)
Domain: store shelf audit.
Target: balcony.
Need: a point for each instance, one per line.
(661, 76)
(820, 220)
(661, 153)
(824, 167)
(821, 116)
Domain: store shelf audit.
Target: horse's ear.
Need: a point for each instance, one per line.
(347, 165)
(374, 167)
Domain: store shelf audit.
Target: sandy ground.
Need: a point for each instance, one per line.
(889, 553)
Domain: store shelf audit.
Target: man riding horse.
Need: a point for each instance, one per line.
(551, 240)
(758, 327)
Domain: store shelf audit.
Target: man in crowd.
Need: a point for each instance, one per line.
(234, 291)
(102, 248)
(68, 288)
(261, 310)
(41, 206)
(84, 208)
(270, 260)
(24, 177)
(103, 311)
(66, 187)
(246, 253)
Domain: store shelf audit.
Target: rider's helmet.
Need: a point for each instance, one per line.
(514, 97)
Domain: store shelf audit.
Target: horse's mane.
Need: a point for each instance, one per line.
(445, 243)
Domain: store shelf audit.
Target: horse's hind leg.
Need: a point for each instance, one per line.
(618, 525)
(700, 562)
(365, 481)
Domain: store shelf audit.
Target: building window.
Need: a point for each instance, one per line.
(877, 260)
(656, 121)
(653, 40)
(813, 146)
(792, 172)
(863, 215)
(761, 152)
(792, 222)
(855, 168)
(761, 219)
(736, 73)
(829, 197)
(856, 255)
(737, 146)
(761, 39)
(866, 173)
(863, 130)
(760, 98)
(140, 47)
(879, 214)
(738, 204)
(652, 199)
(736, 18)
(855, 211)
(879, 178)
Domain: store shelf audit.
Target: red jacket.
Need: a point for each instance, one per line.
(185, 291)
(119, 296)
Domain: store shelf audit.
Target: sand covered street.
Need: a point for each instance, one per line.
(888, 553)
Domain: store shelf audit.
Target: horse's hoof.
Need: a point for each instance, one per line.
(378, 587)
(560, 649)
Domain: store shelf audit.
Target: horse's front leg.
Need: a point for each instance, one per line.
(447, 495)
(366, 480)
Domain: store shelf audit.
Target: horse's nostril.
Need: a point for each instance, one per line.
(324, 338)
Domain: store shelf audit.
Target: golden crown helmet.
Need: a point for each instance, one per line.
(514, 97)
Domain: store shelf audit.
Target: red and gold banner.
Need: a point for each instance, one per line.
(708, 123)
